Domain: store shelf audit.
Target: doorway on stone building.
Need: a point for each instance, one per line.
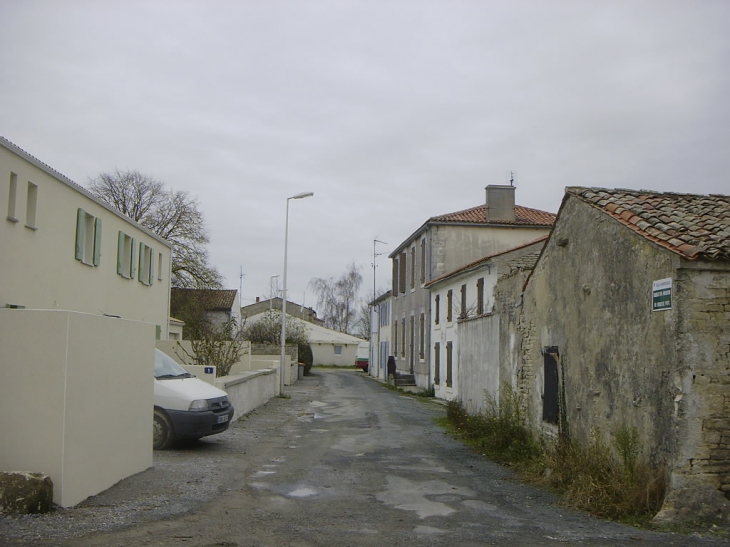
(551, 385)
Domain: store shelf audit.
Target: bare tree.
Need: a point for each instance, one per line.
(364, 316)
(173, 215)
(213, 343)
(337, 298)
(220, 345)
(362, 323)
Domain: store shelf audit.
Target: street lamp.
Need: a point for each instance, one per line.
(283, 292)
(375, 348)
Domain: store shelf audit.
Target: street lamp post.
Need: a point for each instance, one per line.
(283, 291)
(375, 348)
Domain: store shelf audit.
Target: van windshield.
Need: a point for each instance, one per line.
(166, 367)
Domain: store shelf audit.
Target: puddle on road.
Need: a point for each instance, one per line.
(264, 473)
(303, 493)
(414, 496)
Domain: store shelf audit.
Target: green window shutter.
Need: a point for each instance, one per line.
(133, 261)
(97, 241)
(140, 276)
(158, 332)
(152, 266)
(120, 253)
(80, 232)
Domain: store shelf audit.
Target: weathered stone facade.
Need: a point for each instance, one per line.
(586, 317)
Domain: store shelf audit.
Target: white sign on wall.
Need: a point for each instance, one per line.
(661, 295)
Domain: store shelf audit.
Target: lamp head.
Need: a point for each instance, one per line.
(302, 195)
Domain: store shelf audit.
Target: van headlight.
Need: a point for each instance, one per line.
(199, 404)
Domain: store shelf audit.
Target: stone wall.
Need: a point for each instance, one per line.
(702, 405)
(590, 297)
(622, 365)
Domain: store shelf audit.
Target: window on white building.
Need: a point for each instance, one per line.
(12, 197)
(126, 263)
(146, 264)
(88, 238)
(30, 206)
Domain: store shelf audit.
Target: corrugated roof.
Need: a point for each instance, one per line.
(691, 225)
(524, 216)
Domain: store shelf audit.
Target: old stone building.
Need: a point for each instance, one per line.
(625, 323)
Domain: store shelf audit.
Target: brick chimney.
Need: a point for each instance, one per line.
(500, 203)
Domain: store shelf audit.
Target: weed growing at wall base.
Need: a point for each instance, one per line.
(588, 478)
(499, 433)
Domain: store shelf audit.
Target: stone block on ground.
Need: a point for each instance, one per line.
(24, 493)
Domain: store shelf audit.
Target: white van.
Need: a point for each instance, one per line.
(185, 407)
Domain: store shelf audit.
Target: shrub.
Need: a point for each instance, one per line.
(591, 479)
(499, 432)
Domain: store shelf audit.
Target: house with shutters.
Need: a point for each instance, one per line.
(85, 293)
(66, 249)
(465, 331)
(440, 245)
(624, 324)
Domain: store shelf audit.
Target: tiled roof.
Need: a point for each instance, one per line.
(215, 299)
(524, 216)
(693, 226)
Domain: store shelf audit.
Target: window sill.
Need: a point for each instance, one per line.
(34, 228)
(11, 219)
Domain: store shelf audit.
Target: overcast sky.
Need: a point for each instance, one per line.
(389, 111)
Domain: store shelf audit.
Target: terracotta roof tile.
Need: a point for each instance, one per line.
(213, 299)
(524, 216)
(692, 225)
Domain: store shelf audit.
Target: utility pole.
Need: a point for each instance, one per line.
(373, 346)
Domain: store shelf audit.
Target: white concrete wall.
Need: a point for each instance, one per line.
(75, 398)
(479, 363)
(249, 390)
(181, 350)
(324, 354)
(39, 269)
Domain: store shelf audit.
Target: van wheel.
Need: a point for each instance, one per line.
(161, 431)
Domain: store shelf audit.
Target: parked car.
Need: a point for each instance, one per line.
(362, 356)
(185, 407)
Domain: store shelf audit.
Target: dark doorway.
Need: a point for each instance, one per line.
(550, 398)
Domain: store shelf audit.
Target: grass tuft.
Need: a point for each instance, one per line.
(588, 478)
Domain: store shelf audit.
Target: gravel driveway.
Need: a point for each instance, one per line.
(343, 461)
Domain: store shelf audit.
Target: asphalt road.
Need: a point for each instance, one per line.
(343, 462)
